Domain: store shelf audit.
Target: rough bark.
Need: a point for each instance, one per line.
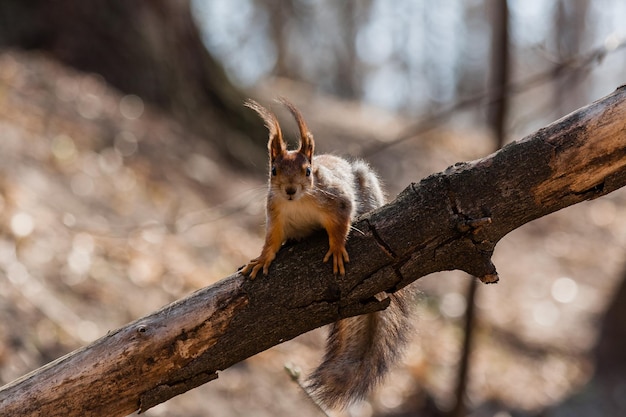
(450, 220)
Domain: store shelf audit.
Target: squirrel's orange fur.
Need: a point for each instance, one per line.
(308, 192)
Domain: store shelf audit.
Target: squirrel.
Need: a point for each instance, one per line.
(308, 192)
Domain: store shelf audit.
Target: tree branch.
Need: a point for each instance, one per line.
(450, 220)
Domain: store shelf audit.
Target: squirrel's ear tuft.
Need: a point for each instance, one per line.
(276, 145)
(307, 144)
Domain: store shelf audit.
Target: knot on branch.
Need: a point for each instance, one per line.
(476, 258)
(473, 226)
(468, 251)
(472, 257)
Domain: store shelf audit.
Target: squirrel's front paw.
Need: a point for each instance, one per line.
(340, 255)
(255, 265)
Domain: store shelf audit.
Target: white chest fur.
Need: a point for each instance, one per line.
(299, 218)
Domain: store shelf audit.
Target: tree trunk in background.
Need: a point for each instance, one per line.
(569, 36)
(610, 374)
(348, 83)
(149, 48)
(499, 77)
(280, 14)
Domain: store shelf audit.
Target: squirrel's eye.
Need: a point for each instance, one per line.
(308, 171)
(274, 171)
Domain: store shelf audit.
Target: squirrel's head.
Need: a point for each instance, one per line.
(291, 172)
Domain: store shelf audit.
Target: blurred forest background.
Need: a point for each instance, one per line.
(131, 175)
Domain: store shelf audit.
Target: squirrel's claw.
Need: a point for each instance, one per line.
(251, 269)
(255, 265)
(340, 255)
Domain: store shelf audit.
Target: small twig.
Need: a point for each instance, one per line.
(295, 373)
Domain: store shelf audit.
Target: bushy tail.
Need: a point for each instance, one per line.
(360, 351)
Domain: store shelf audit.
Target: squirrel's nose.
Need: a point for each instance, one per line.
(290, 190)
